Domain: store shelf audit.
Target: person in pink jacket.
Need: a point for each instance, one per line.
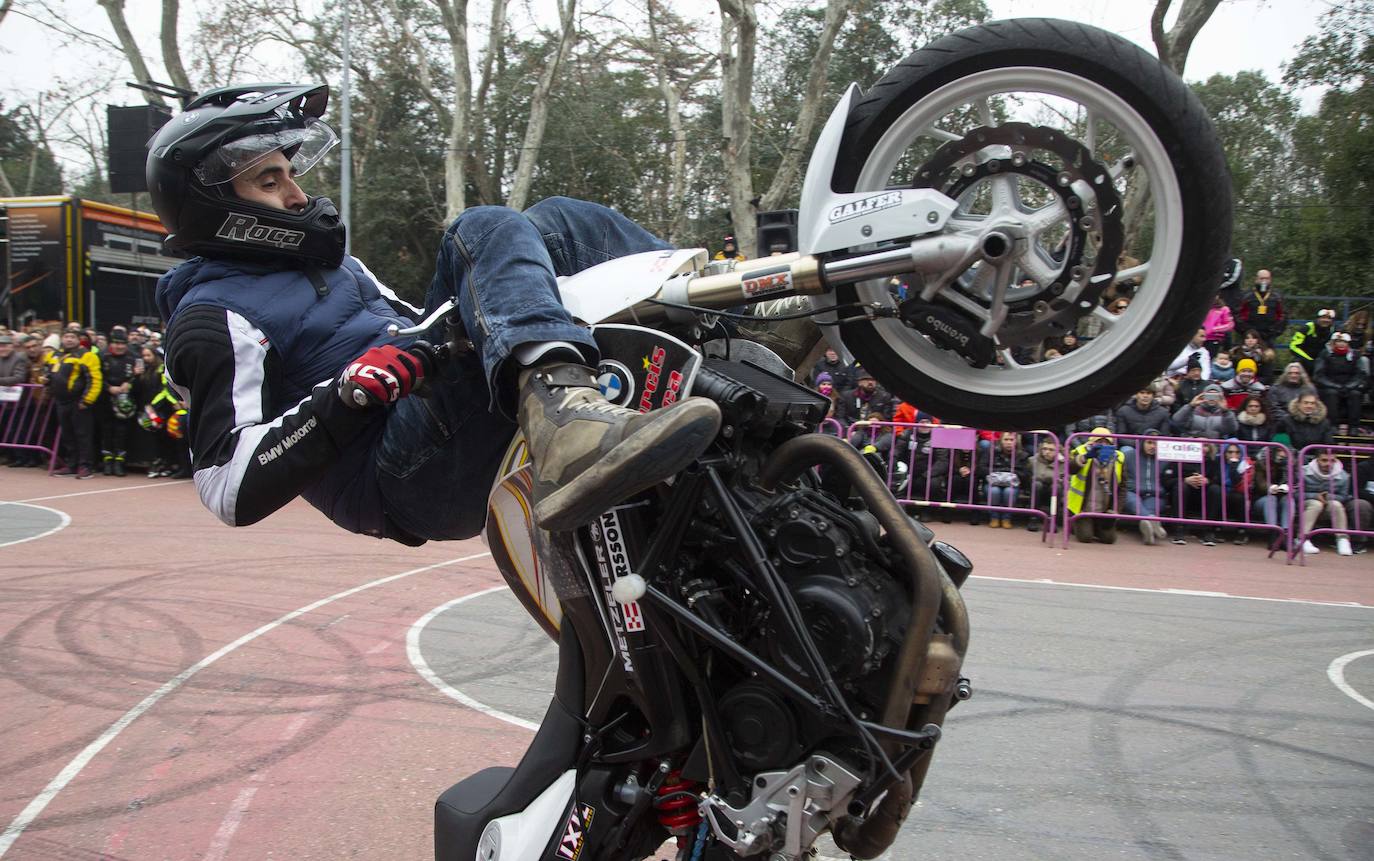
(1217, 324)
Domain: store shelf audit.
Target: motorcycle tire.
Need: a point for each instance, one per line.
(1187, 155)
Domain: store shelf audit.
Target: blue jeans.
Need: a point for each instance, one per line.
(437, 457)
(1001, 496)
(1147, 506)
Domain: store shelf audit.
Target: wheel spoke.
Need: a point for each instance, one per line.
(1090, 134)
(1133, 271)
(1105, 317)
(1008, 358)
(997, 310)
(940, 134)
(1047, 216)
(1006, 197)
(1120, 166)
(1033, 266)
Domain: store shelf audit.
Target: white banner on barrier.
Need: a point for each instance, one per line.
(1188, 452)
(10, 394)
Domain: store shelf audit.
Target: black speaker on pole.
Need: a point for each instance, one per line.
(777, 231)
(128, 132)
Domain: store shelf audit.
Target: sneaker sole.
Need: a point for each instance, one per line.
(651, 455)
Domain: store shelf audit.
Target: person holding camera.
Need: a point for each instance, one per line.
(1206, 416)
(1097, 484)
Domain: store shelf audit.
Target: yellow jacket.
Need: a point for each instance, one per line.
(75, 376)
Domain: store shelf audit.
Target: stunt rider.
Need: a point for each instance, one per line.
(272, 332)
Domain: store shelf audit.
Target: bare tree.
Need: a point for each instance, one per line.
(739, 30)
(171, 49)
(454, 14)
(115, 10)
(836, 11)
(487, 180)
(539, 107)
(1173, 45)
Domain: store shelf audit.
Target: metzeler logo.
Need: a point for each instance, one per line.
(245, 228)
(864, 206)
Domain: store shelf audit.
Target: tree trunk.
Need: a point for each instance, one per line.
(539, 108)
(115, 9)
(5, 9)
(1172, 47)
(674, 206)
(487, 181)
(171, 51)
(5, 188)
(738, 40)
(455, 16)
(835, 13)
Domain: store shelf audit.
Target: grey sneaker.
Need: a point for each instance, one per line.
(590, 454)
(1147, 532)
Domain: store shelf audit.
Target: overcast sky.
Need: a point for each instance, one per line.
(1241, 35)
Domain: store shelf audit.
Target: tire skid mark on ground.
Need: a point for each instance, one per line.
(333, 717)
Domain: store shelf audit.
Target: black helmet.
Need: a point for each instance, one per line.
(193, 158)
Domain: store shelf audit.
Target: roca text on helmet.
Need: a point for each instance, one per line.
(224, 134)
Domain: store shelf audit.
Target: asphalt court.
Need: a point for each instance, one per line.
(22, 521)
(1104, 723)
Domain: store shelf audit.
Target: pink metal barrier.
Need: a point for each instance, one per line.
(947, 466)
(28, 422)
(832, 427)
(1352, 505)
(1185, 482)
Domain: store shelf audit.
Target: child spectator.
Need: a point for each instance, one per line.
(1222, 369)
(1216, 326)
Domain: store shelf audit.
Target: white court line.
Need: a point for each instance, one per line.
(106, 490)
(417, 660)
(66, 521)
(68, 774)
(1185, 592)
(1336, 673)
(233, 818)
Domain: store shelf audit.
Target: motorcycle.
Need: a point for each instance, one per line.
(763, 650)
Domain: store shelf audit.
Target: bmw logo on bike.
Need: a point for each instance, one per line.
(616, 382)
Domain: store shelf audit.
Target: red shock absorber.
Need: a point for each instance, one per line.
(676, 802)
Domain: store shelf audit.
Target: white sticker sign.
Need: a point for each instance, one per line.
(1187, 452)
(10, 394)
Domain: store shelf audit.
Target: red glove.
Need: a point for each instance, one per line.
(382, 375)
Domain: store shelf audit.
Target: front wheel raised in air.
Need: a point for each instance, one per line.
(1100, 174)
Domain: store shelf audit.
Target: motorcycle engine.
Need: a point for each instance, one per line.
(855, 611)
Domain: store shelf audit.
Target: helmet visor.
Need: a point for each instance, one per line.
(304, 146)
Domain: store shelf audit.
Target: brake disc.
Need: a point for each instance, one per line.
(1092, 211)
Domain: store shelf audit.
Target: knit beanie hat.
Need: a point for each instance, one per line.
(1246, 365)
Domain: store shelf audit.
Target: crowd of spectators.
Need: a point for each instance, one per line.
(108, 394)
(1228, 387)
